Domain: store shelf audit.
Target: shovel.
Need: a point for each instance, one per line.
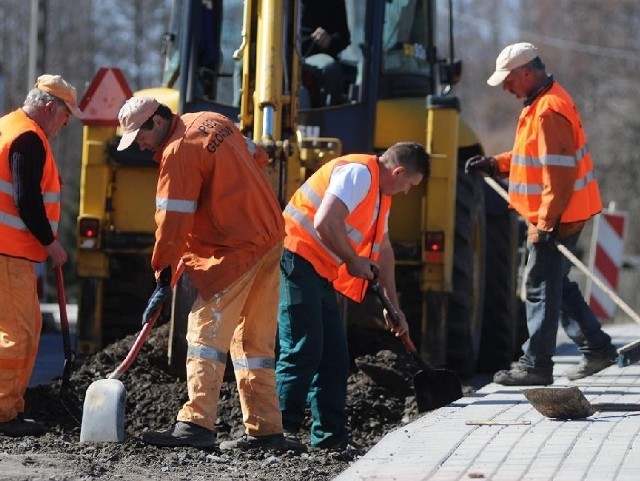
(104, 402)
(570, 403)
(70, 404)
(434, 387)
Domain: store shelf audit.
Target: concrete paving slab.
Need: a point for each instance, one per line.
(441, 446)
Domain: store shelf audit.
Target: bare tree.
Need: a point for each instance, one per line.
(80, 37)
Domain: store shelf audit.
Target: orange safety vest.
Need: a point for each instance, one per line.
(364, 237)
(15, 239)
(526, 169)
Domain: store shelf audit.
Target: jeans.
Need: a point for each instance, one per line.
(553, 298)
(313, 364)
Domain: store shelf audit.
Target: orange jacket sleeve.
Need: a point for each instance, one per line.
(504, 163)
(179, 185)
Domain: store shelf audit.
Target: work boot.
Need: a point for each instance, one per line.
(21, 427)
(246, 441)
(181, 434)
(592, 363)
(292, 442)
(521, 375)
(347, 446)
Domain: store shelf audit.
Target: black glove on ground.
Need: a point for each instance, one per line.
(160, 296)
(482, 163)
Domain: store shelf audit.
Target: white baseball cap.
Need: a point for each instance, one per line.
(512, 57)
(135, 112)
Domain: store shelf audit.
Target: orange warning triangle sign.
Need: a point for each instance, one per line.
(104, 97)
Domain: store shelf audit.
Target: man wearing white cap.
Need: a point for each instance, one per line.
(29, 218)
(216, 211)
(552, 185)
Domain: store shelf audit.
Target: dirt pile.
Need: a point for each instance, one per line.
(380, 398)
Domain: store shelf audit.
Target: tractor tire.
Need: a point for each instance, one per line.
(88, 327)
(125, 295)
(500, 319)
(464, 316)
(183, 297)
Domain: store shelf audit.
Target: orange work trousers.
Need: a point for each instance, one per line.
(242, 320)
(20, 326)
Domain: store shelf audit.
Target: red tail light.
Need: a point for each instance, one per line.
(434, 246)
(88, 232)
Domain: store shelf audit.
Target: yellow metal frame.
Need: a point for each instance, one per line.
(440, 205)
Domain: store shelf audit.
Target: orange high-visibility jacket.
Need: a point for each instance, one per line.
(15, 239)
(214, 205)
(527, 162)
(365, 238)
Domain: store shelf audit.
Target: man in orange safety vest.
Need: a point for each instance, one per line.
(29, 218)
(337, 236)
(552, 185)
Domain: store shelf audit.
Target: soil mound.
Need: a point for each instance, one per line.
(380, 398)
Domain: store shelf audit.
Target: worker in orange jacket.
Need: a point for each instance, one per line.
(552, 185)
(29, 217)
(216, 211)
(337, 236)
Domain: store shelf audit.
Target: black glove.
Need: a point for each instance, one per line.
(161, 295)
(547, 238)
(482, 163)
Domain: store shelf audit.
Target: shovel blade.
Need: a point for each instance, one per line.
(103, 412)
(435, 388)
(559, 402)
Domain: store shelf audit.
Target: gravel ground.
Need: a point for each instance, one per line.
(378, 402)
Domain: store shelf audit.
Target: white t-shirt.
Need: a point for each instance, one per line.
(350, 183)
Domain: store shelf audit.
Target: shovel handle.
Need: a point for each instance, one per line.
(612, 407)
(144, 333)
(64, 327)
(64, 320)
(393, 314)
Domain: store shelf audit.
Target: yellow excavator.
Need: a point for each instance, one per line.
(456, 243)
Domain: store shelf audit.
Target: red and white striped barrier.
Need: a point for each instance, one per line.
(607, 246)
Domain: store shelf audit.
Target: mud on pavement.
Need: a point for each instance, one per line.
(380, 398)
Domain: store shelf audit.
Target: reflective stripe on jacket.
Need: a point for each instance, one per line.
(527, 162)
(15, 239)
(365, 238)
(215, 207)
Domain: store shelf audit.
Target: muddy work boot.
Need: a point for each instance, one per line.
(592, 363)
(20, 426)
(181, 434)
(521, 375)
(348, 445)
(246, 442)
(292, 441)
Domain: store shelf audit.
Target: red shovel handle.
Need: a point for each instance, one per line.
(144, 333)
(64, 320)
(406, 340)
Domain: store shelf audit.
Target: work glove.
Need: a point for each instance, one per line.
(480, 162)
(547, 238)
(160, 296)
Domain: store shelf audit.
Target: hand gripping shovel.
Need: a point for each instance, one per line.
(70, 404)
(570, 403)
(104, 402)
(434, 387)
